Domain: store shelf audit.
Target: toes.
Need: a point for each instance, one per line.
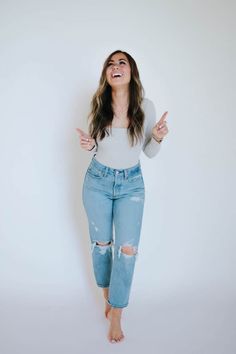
(121, 337)
(116, 340)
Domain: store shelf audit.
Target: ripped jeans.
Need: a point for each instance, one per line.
(114, 201)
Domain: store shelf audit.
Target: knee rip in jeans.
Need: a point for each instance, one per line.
(128, 251)
(103, 246)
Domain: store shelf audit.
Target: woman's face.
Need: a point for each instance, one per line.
(118, 72)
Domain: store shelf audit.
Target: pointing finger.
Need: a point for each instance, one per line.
(82, 133)
(163, 117)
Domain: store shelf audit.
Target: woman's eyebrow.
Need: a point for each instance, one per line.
(118, 59)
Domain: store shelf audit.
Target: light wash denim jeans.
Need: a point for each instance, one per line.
(114, 200)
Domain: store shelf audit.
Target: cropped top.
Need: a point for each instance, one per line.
(115, 150)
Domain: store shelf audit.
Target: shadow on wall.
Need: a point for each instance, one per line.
(79, 161)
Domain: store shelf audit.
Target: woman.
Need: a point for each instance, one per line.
(122, 123)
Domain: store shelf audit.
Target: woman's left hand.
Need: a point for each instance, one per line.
(160, 129)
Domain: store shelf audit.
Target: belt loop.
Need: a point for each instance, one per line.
(105, 172)
(126, 174)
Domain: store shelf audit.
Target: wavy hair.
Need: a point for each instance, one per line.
(101, 114)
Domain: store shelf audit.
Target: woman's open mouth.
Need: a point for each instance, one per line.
(116, 75)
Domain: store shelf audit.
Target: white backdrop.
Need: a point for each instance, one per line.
(183, 292)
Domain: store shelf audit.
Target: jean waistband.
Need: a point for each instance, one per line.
(106, 170)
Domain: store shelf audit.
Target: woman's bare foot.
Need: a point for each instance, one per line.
(107, 306)
(115, 332)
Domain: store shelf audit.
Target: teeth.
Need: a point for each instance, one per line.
(116, 75)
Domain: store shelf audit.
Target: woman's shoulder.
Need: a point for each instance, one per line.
(149, 110)
(147, 105)
(146, 101)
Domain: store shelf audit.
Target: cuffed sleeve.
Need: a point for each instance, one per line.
(152, 148)
(94, 149)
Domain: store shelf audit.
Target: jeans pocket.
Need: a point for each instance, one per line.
(135, 178)
(93, 172)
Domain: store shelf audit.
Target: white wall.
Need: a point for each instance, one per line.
(51, 58)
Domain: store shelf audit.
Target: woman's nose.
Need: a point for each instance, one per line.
(115, 65)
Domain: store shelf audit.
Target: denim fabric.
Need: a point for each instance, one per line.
(114, 201)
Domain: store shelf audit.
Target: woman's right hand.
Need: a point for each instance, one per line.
(86, 141)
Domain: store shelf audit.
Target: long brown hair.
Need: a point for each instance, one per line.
(101, 114)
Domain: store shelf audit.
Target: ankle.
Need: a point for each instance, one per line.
(105, 293)
(116, 313)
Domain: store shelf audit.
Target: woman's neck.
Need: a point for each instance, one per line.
(120, 98)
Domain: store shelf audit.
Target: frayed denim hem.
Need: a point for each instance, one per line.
(117, 306)
(103, 286)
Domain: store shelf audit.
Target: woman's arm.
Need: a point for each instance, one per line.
(150, 146)
(86, 141)
(154, 132)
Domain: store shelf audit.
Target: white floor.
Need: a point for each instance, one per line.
(174, 325)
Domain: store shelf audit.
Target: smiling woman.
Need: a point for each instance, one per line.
(122, 124)
(118, 69)
(121, 96)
